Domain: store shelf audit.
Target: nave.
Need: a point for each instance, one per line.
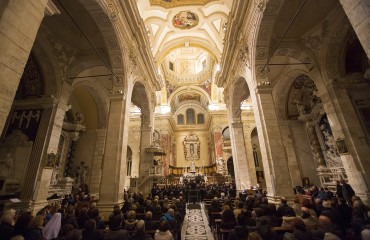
(195, 224)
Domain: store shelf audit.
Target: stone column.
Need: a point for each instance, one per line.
(19, 22)
(97, 163)
(273, 153)
(37, 179)
(249, 151)
(358, 13)
(345, 124)
(146, 159)
(114, 164)
(242, 178)
(294, 170)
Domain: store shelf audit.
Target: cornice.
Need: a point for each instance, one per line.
(234, 25)
(139, 32)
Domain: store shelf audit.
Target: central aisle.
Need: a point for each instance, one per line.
(195, 225)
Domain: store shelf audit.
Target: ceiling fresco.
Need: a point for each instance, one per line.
(178, 3)
(189, 96)
(185, 20)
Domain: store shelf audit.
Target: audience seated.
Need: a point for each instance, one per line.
(7, 224)
(164, 232)
(299, 231)
(90, 232)
(140, 233)
(131, 221)
(34, 229)
(240, 231)
(52, 227)
(249, 215)
(115, 229)
(227, 218)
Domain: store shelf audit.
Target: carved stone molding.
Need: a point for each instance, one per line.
(237, 125)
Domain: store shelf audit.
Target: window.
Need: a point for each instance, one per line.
(129, 166)
(190, 116)
(170, 66)
(200, 118)
(180, 119)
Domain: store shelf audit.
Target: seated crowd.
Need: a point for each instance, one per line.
(320, 216)
(139, 218)
(316, 214)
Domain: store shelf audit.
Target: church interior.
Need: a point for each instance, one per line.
(107, 97)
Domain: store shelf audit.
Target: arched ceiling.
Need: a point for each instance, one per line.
(185, 23)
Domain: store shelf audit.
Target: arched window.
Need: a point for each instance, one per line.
(190, 116)
(129, 161)
(226, 134)
(200, 118)
(180, 119)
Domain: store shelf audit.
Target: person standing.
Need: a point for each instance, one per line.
(347, 192)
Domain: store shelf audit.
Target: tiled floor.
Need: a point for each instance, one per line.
(195, 225)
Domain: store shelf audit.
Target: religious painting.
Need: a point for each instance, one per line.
(341, 146)
(260, 177)
(50, 160)
(185, 20)
(170, 88)
(207, 86)
(165, 144)
(189, 96)
(191, 148)
(218, 144)
(177, 3)
(306, 181)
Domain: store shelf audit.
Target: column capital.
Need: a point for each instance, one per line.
(146, 128)
(263, 89)
(237, 125)
(115, 97)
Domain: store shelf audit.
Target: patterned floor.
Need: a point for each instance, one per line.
(195, 225)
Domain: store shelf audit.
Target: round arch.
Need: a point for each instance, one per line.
(196, 42)
(188, 88)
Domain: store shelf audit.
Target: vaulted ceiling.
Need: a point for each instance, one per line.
(175, 24)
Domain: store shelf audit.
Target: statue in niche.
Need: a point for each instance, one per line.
(7, 165)
(220, 165)
(192, 167)
(79, 118)
(81, 174)
(308, 98)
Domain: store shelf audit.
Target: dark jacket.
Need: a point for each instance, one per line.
(238, 233)
(6, 231)
(34, 234)
(116, 234)
(92, 235)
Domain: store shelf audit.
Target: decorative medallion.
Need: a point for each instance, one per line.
(177, 3)
(185, 20)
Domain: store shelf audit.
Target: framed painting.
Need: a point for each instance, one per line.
(341, 146)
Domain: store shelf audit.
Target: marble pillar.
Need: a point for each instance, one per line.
(346, 125)
(114, 164)
(241, 165)
(278, 182)
(358, 13)
(19, 23)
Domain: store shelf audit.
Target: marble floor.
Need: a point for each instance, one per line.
(195, 225)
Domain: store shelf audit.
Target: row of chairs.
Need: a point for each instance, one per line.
(222, 233)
